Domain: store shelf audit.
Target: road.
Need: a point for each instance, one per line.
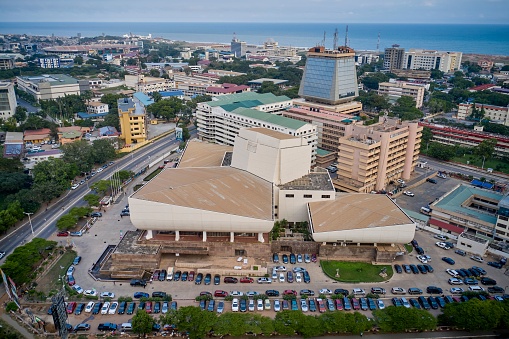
(27, 105)
(43, 223)
(476, 173)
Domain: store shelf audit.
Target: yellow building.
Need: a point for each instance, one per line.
(371, 157)
(132, 121)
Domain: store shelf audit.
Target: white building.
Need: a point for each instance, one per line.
(8, 101)
(395, 90)
(35, 158)
(95, 107)
(145, 84)
(430, 59)
(52, 62)
(496, 114)
(51, 86)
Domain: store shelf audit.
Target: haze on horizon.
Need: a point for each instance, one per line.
(270, 11)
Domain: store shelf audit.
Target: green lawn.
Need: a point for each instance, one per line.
(355, 272)
(51, 280)
(497, 164)
(409, 248)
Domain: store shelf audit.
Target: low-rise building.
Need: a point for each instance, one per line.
(36, 136)
(496, 114)
(147, 85)
(224, 89)
(51, 86)
(37, 157)
(395, 90)
(13, 145)
(70, 134)
(257, 83)
(52, 62)
(97, 107)
(6, 61)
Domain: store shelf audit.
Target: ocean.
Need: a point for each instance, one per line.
(480, 39)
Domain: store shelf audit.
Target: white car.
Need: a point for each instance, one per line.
(405, 302)
(113, 308)
(251, 305)
(358, 291)
(457, 290)
(281, 277)
(452, 273)
(236, 294)
(235, 305)
(99, 170)
(440, 237)
(277, 305)
(259, 305)
(398, 290)
(91, 292)
(164, 308)
(477, 258)
(89, 307)
(304, 305)
(298, 277)
(298, 269)
(73, 187)
(408, 193)
(455, 281)
(105, 308)
(110, 295)
(78, 289)
(442, 245)
(70, 270)
(400, 181)
(422, 259)
(267, 304)
(264, 281)
(476, 288)
(325, 291)
(280, 268)
(381, 304)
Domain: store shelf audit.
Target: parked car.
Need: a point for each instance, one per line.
(264, 280)
(448, 260)
(246, 280)
(230, 280)
(96, 214)
(477, 258)
(460, 252)
(431, 180)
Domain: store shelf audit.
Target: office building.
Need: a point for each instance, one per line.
(147, 85)
(132, 121)
(6, 61)
(220, 120)
(330, 76)
(51, 86)
(395, 90)
(49, 62)
(467, 137)
(238, 48)
(371, 157)
(496, 114)
(8, 101)
(393, 57)
(94, 49)
(447, 62)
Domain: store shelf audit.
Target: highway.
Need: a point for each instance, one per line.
(44, 222)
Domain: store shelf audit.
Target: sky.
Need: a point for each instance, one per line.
(348, 11)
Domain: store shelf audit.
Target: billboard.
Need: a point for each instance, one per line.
(179, 135)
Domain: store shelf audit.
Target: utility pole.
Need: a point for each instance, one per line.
(30, 221)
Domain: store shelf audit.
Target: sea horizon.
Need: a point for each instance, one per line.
(467, 38)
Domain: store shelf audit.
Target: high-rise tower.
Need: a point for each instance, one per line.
(329, 76)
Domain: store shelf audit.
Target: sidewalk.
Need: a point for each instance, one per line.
(14, 324)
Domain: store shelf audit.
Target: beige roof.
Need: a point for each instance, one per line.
(271, 133)
(356, 211)
(95, 103)
(218, 189)
(203, 154)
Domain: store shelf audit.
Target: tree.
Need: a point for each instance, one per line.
(66, 222)
(440, 151)
(21, 114)
(426, 137)
(486, 148)
(269, 87)
(155, 73)
(405, 109)
(231, 323)
(474, 315)
(101, 186)
(102, 151)
(437, 74)
(156, 96)
(142, 322)
(78, 60)
(198, 323)
(80, 153)
(12, 182)
(92, 199)
(53, 176)
(401, 319)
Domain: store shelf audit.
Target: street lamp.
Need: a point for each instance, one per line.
(30, 221)
(483, 159)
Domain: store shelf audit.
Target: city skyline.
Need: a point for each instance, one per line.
(367, 11)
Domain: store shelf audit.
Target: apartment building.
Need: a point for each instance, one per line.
(371, 157)
(469, 138)
(219, 121)
(431, 59)
(395, 90)
(225, 89)
(502, 222)
(6, 62)
(96, 107)
(8, 101)
(132, 121)
(147, 85)
(51, 86)
(393, 57)
(52, 62)
(496, 114)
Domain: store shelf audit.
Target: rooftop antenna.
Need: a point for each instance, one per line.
(234, 36)
(335, 44)
(346, 36)
(378, 43)
(323, 40)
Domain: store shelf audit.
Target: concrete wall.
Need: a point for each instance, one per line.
(295, 209)
(348, 253)
(398, 234)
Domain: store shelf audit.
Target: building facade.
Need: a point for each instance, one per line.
(147, 85)
(6, 62)
(496, 114)
(97, 107)
(329, 76)
(8, 101)
(49, 62)
(238, 48)
(395, 90)
(371, 157)
(447, 62)
(393, 57)
(132, 121)
(51, 86)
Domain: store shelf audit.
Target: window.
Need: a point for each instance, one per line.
(289, 195)
(325, 196)
(307, 196)
(240, 253)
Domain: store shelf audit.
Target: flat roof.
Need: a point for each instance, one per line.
(453, 201)
(263, 99)
(203, 154)
(143, 98)
(262, 80)
(311, 181)
(14, 137)
(356, 211)
(272, 133)
(52, 79)
(86, 48)
(274, 119)
(125, 104)
(218, 189)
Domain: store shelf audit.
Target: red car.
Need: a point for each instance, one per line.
(219, 293)
(70, 280)
(71, 306)
(63, 234)
(191, 276)
(247, 280)
(148, 307)
(230, 280)
(321, 305)
(155, 276)
(355, 304)
(339, 304)
(290, 292)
